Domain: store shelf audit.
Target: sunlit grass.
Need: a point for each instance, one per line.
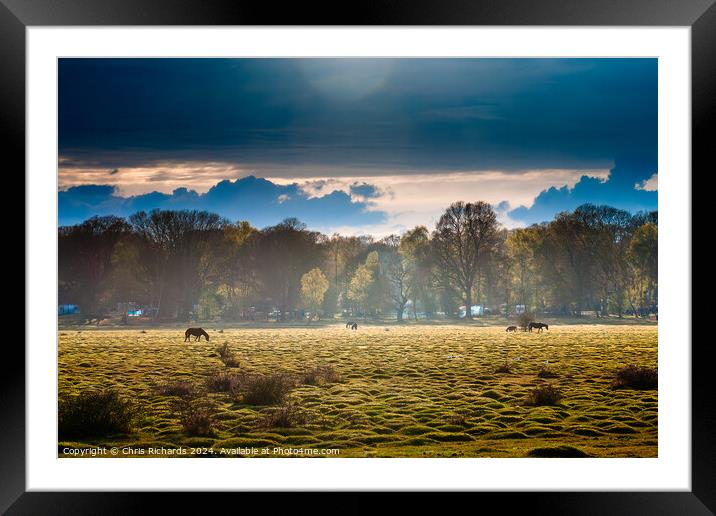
(410, 391)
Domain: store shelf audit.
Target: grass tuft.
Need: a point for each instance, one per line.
(557, 451)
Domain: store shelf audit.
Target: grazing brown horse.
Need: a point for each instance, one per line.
(352, 325)
(195, 332)
(538, 325)
(511, 328)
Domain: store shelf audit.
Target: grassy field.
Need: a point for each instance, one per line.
(381, 391)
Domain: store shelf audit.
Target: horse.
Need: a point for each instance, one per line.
(511, 328)
(352, 325)
(538, 325)
(195, 332)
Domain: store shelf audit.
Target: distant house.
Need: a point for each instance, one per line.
(476, 310)
(134, 310)
(67, 309)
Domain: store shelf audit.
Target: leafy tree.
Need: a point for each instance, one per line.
(85, 254)
(643, 257)
(415, 248)
(364, 287)
(314, 285)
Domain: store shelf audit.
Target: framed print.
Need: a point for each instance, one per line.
(414, 251)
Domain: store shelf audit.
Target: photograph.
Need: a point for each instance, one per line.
(350, 257)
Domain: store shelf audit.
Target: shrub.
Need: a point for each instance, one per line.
(546, 371)
(319, 375)
(195, 417)
(545, 394)
(94, 414)
(226, 356)
(266, 389)
(504, 368)
(180, 388)
(636, 377)
(330, 375)
(223, 350)
(525, 319)
(285, 416)
(311, 377)
(222, 382)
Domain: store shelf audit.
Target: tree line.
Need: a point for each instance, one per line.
(198, 265)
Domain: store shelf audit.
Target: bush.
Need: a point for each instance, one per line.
(636, 377)
(319, 375)
(545, 394)
(222, 382)
(504, 368)
(330, 375)
(285, 416)
(95, 414)
(195, 417)
(181, 388)
(266, 389)
(226, 356)
(525, 319)
(546, 371)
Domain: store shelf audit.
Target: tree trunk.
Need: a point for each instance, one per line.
(468, 304)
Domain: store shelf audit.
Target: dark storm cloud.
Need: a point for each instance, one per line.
(323, 118)
(257, 200)
(438, 114)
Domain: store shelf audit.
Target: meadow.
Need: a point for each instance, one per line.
(381, 391)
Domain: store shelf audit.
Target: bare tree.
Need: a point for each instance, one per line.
(463, 234)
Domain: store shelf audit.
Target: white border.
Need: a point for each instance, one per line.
(671, 470)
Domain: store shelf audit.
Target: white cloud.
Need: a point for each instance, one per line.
(414, 199)
(650, 185)
(409, 198)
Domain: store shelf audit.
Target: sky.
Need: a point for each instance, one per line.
(358, 146)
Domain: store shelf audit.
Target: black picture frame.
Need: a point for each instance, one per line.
(17, 15)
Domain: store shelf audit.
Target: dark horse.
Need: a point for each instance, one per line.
(352, 325)
(538, 325)
(511, 328)
(195, 332)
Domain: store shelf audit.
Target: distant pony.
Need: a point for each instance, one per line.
(537, 325)
(352, 325)
(195, 332)
(511, 328)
